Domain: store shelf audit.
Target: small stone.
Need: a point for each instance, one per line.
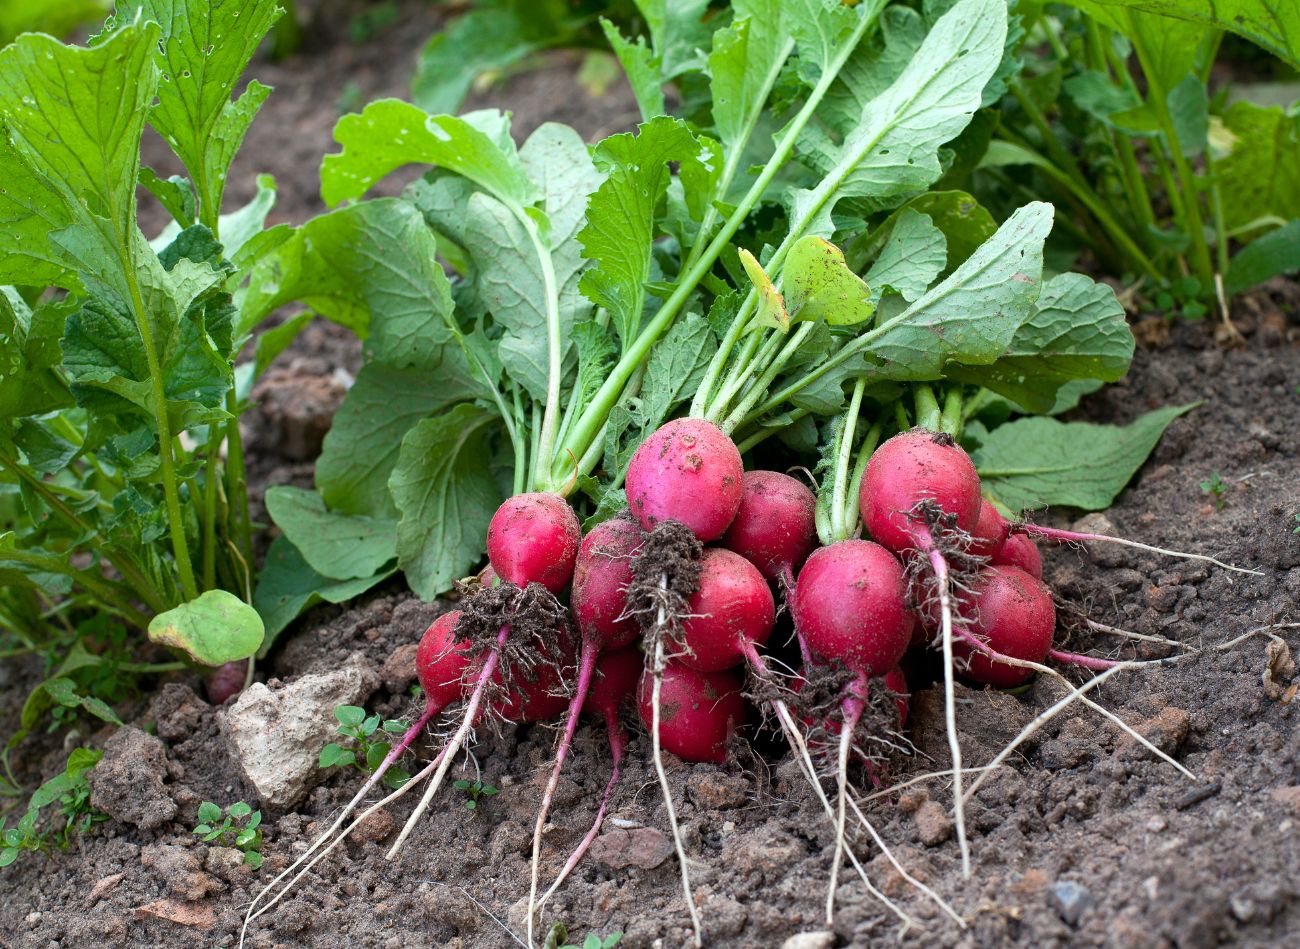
(933, 826)
(642, 847)
(1072, 900)
(181, 871)
(105, 886)
(127, 784)
(1156, 824)
(1242, 909)
(1166, 731)
(1032, 882)
(33, 918)
(278, 734)
(814, 940)
(909, 801)
(399, 668)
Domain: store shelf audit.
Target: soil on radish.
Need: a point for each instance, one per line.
(1085, 841)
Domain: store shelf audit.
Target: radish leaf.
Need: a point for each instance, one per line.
(337, 546)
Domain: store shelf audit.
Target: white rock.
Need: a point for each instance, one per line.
(277, 735)
(817, 940)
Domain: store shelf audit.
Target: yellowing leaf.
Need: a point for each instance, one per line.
(820, 286)
(771, 305)
(215, 628)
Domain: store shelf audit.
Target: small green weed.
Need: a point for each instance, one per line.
(474, 790)
(71, 791)
(1296, 529)
(241, 826)
(1217, 489)
(558, 938)
(366, 755)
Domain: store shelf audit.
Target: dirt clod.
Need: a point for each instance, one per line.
(177, 711)
(127, 784)
(1167, 730)
(933, 825)
(643, 847)
(180, 870)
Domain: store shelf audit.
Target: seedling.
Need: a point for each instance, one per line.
(558, 938)
(367, 755)
(240, 827)
(1217, 489)
(71, 791)
(1296, 529)
(473, 791)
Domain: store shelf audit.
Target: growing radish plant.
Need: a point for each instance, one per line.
(122, 483)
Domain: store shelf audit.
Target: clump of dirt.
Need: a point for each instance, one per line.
(665, 575)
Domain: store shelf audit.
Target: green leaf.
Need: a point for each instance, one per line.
(443, 487)
(29, 354)
(243, 224)
(390, 133)
(642, 69)
(215, 628)
(1271, 24)
(351, 715)
(1078, 331)
(621, 215)
(239, 809)
(1277, 252)
(333, 755)
(175, 194)
(80, 761)
(253, 859)
(1189, 108)
(1259, 178)
(972, 316)
(743, 58)
(202, 54)
(209, 813)
(893, 148)
(74, 118)
(819, 285)
(271, 343)
(353, 265)
(913, 254)
(287, 586)
(375, 755)
(677, 33)
(338, 546)
(1039, 461)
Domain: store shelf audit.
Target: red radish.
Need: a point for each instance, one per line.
(1018, 550)
(700, 711)
(533, 538)
(441, 661)
(535, 701)
(687, 471)
(601, 579)
(850, 606)
(910, 468)
(599, 600)
(1013, 613)
(732, 604)
(775, 528)
(893, 681)
(990, 531)
(226, 681)
(617, 675)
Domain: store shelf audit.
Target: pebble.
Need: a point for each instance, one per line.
(643, 847)
(814, 940)
(1072, 900)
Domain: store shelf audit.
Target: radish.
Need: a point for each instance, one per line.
(731, 606)
(1019, 550)
(533, 538)
(601, 576)
(909, 470)
(699, 712)
(775, 528)
(1013, 613)
(849, 605)
(990, 531)
(226, 681)
(617, 675)
(600, 581)
(686, 471)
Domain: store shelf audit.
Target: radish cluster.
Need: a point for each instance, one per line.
(934, 566)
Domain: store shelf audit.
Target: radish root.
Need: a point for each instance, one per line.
(1076, 537)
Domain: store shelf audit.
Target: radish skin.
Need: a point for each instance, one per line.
(687, 471)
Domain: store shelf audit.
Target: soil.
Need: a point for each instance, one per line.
(1084, 840)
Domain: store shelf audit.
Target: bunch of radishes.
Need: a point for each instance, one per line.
(942, 567)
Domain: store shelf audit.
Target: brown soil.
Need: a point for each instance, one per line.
(1085, 841)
